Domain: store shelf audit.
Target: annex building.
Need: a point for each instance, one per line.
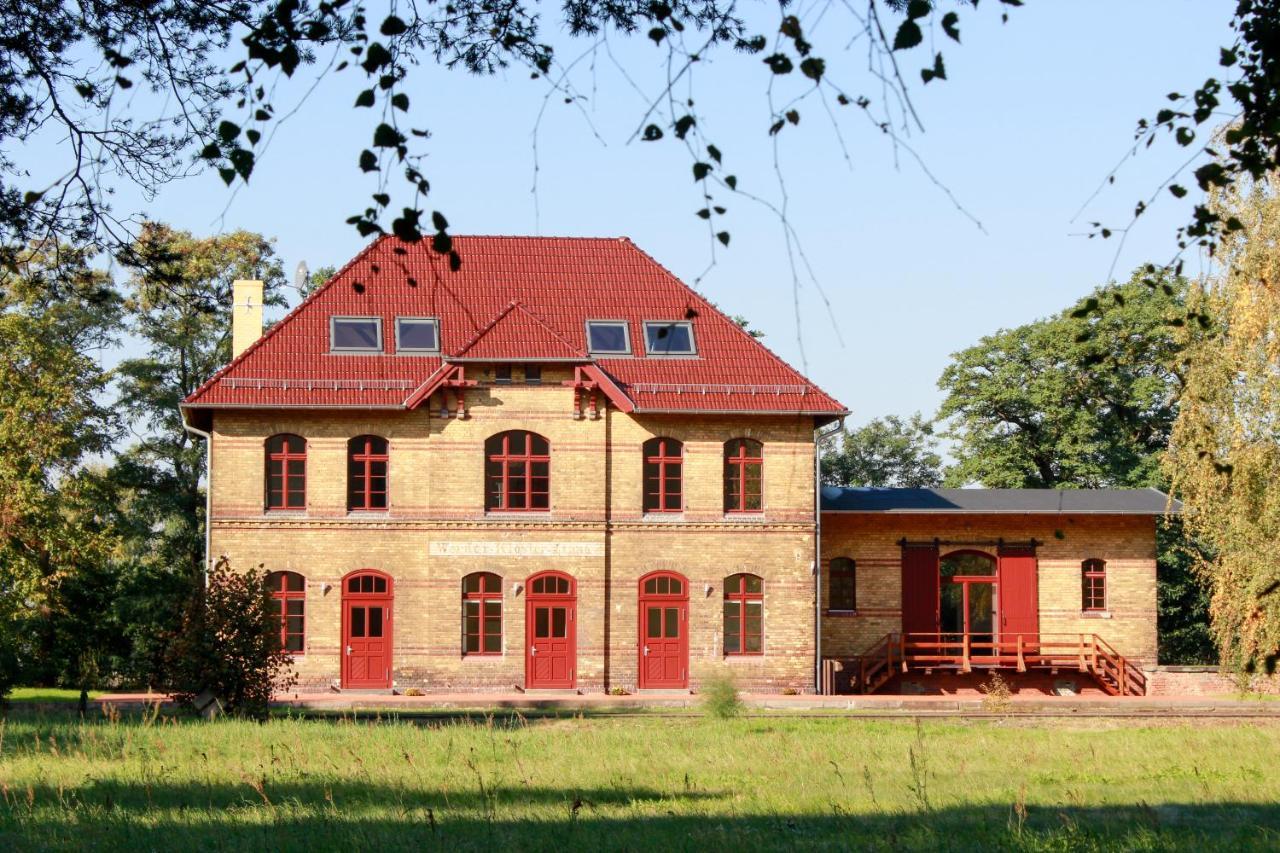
(560, 468)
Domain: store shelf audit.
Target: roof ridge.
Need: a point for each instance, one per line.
(727, 319)
(280, 324)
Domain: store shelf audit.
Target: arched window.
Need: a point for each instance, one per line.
(482, 614)
(1093, 585)
(286, 480)
(517, 472)
(743, 475)
(663, 475)
(843, 585)
(289, 603)
(743, 615)
(367, 473)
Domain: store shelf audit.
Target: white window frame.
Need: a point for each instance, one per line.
(333, 326)
(693, 343)
(626, 337)
(435, 321)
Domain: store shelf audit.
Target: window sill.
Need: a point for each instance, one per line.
(481, 657)
(1095, 614)
(533, 514)
(744, 658)
(664, 516)
(840, 613)
(372, 514)
(750, 517)
(284, 513)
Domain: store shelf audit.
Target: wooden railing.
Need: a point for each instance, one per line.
(1086, 653)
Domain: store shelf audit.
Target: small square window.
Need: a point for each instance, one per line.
(533, 374)
(668, 338)
(417, 334)
(355, 334)
(608, 337)
(502, 374)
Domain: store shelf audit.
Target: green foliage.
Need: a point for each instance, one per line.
(886, 452)
(1083, 399)
(179, 305)
(1087, 399)
(229, 644)
(1224, 459)
(52, 419)
(720, 696)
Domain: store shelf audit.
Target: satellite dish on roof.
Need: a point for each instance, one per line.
(301, 276)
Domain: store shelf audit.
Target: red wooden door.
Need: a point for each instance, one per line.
(920, 589)
(1019, 592)
(551, 649)
(366, 631)
(664, 631)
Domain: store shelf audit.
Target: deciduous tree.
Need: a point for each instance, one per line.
(1224, 459)
(887, 451)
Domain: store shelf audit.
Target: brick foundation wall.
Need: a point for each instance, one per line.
(1204, 681)
(435, 531)
(1126, 543)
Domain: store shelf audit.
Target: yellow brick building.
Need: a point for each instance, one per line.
(560, 468)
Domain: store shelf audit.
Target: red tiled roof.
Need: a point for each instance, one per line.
(517, 330)
(515, 298)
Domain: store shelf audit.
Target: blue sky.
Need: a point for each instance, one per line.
(1034, 115)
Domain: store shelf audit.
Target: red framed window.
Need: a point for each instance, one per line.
(1093, 585)
(842, 582)
(743, 615)
(663, 475)
(286, 479)
(482, 614)
(288, 602)
(367, 473)
(743, 475)
(517, 472)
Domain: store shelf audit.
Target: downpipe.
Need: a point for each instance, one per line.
(819, 438)
(208, 488)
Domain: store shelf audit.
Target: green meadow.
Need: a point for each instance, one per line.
(643, 782)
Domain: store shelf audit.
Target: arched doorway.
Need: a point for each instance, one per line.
(664, 631)
(967, 598)
(551, 632)
(367, 596)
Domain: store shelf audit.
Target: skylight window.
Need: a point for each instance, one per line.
(663, 337)
(417, 334)
(355, 334)
(608, 337)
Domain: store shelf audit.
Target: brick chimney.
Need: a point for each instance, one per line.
(246, 314)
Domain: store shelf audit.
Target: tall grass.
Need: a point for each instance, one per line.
(633, 783)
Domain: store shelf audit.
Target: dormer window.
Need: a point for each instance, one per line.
(663, 337)
(417, 334)
(355, 334)
(608, 337)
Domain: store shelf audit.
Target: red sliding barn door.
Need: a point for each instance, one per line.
(1019, 592)
(919, 589)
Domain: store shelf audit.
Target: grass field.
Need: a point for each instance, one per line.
(47, 695)
(636, 783)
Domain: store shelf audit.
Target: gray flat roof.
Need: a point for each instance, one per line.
(993, 501)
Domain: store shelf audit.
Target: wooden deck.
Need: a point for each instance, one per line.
(926, 653)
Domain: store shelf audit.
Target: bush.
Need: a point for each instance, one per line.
(720, 697)
(229, 644)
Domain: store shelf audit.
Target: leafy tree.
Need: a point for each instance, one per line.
(1087, 399)
(179, 305)
(1224, 459)
(229, 644)
(1083, 399)
(69, 70)
(52, 420)
(887, 451)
